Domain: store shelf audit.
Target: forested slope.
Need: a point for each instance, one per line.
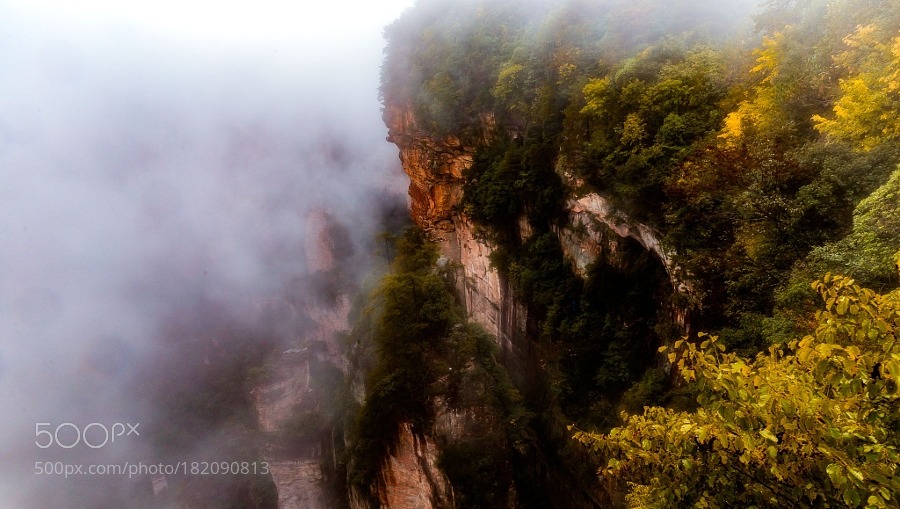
(759, 145)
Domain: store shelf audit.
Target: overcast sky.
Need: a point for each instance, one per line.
(152, 152)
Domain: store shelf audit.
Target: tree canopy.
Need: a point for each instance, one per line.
(813, 423)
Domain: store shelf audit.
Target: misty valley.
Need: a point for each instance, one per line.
(535, 254)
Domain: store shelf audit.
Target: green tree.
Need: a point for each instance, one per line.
(410, 313)
(865, 252)
(814, 423)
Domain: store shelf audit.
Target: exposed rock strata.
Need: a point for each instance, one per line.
(297, 474)
(410, 477)
(591, 217)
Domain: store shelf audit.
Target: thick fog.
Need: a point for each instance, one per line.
(157, 164)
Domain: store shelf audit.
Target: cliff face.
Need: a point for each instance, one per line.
(301, 466)
(435, 169)
(410, 477)
(595, 230)
(296, 471)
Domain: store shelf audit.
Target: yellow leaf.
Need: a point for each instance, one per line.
(768, 435)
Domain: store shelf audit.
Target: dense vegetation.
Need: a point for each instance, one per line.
(750, 160)
(813, 423)
(764, 150)
(415, 344)
(411, 311)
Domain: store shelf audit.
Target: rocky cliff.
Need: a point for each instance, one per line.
(435, 168)
(302, 458)
(410, 476)
(595, 231)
